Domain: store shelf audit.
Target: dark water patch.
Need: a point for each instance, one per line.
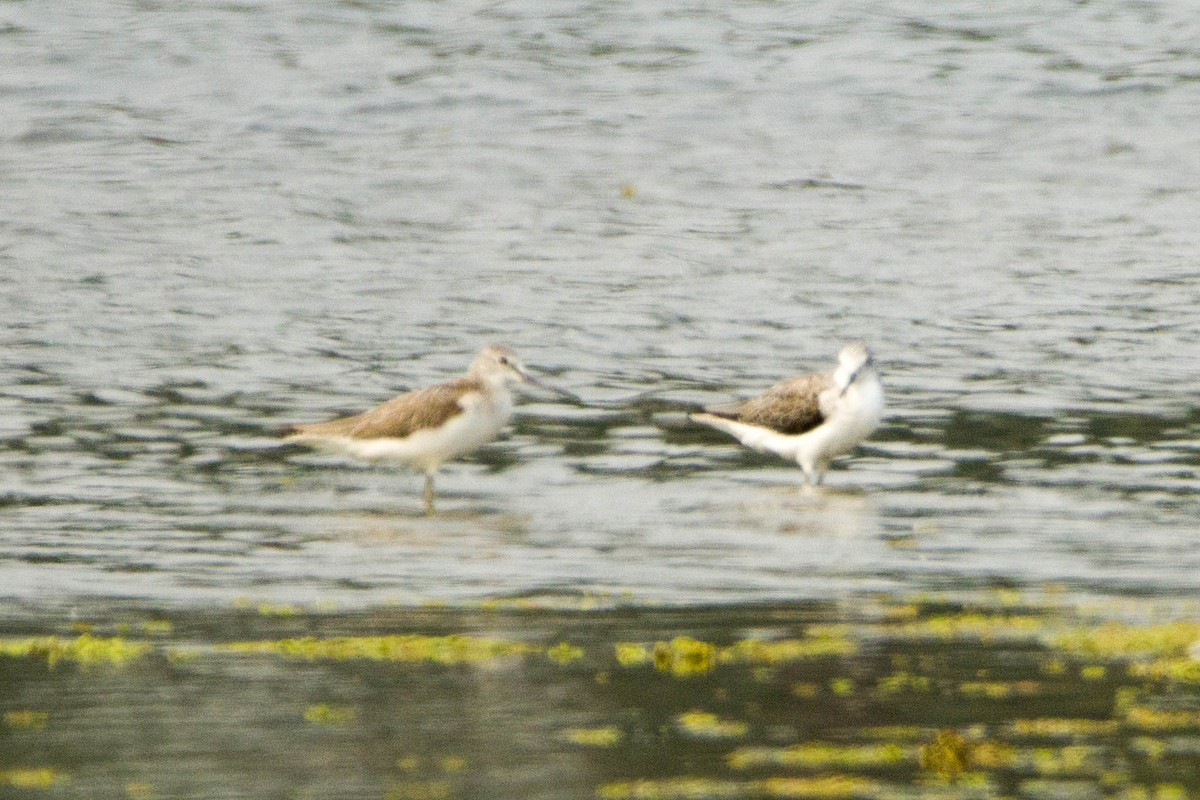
(818, 183)
(922, 28)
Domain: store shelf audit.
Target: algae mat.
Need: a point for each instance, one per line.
(987, 696)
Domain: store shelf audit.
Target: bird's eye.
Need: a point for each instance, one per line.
(505, 361)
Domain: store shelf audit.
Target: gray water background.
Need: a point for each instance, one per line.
(217, 218)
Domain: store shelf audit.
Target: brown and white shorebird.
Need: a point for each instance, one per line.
(425, 428)
(812, 418)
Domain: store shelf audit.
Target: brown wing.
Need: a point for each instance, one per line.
(399, 417)
(792, 407)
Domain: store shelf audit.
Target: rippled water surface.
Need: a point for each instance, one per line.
(218, 218)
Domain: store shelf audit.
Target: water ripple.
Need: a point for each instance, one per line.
(232, 217)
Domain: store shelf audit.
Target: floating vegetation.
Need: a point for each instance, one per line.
(139, 790)
(452, 764)
(157, 627)
(902, 683)
(704, 725)
(1049, 728)
(1159, 791)
(1065, 762)
(39, 778)
(1154, 719)
(85, 649)
(153, 627)
(564, 653)
(322, 714)
(947, 757)
(279, 610)
(26, 719)
(893, 733)
(445, 764)
(685, 657)
(974, 625)
(759, 651)
(594, 737)
(453, 649)
(783, 788)
(999, 690)
(925, 698)
(681, 657)
(1180, 670)
(822, 756)
(1115, 639)
(421, 790)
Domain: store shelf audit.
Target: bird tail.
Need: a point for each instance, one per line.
(752, 436)
(716, 420)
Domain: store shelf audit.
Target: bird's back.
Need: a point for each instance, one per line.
(398, 418)
(791, 407)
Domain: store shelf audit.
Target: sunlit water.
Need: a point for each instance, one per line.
(218, 218)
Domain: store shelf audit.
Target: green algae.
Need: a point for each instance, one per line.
(608, 736)
(685, 657)
(682, 657)
(1160, 791)
(1056, 728)
(770, 717)
(324, 714)
(999, 690)
(706, 725)
(86, 650)
(1164, 719)
(1179, 670)
(35, 778)
(902, 682)
(822, 756)
(35, 720)
(759, 651)
(977, 625)
(409, 649)
(421, 790)
(1072, 761)
(947, 757)
(834, 787)
(140, 790)
(1122, 640)
(564, 653)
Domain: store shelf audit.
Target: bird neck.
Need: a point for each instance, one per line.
(494, 381)
(846, 375)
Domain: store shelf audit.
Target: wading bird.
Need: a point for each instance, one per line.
(425, 428)
(812, 418)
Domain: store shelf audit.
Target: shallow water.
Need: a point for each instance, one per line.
(224, 217)
(998, 697)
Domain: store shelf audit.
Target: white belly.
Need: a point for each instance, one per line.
(426, 450)
(856, 416)
(852, 417)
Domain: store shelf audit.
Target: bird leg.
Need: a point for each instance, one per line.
(428, 492)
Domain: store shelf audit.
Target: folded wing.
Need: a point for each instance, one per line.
(397, 418)
(792, 407)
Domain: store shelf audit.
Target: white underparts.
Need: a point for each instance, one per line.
(426, 450)
(850, 418)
